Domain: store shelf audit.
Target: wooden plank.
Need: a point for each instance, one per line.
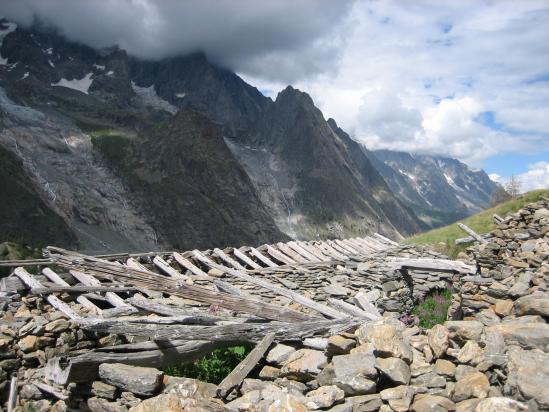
(85, 367)
(303, 252)
(386, 239)
(351, 309)
(84, 301)
(167, 269)
(349, 249)
(329, 251)
(235, 333)
(187, 264)
(57, 303)
(81, 289)
(470, 239)
(302, 300)
(362, 300)
(89, 280)
(472, 233)
(278, 255)
(133, 263)
(338, 248)
(358, 247)
(242, 256)
(320, 257)
(365, 245)
(235, 378)
(264, 259)
(287, 250)
(50, 390)
(497, 219)
(227, 259)
(12, 398)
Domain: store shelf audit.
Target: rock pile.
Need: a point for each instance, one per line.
(490, 355)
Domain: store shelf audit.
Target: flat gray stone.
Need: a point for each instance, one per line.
(135, 379)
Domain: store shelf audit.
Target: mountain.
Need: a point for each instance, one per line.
(441, 190)
(127, 154)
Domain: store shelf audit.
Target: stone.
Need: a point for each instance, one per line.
(462, 370)
(279, 354)
(474, 384)
(438, 337)
(430, 380)
(500, 404)
(30, 391)
(445, 368)
(395, 369)
(174, 403)
(399, 398)
(464, 330)
(304, 364)
(428, 403)
(336, 290)
(59, 406)
(276, 400)
(526, 335)
(386, 339)
(529, 375)
(467, 405)
(338, 345)
(58, 326)
(487, 317)
(42, 405)
(354, 373)
(536, 304)
(28, 343)
(269, 372)
(249, 385)
(103, 405)
(104, 390)
(471, 353)
(324, 397)
(135, 379)
(503, 307)
(188, 387)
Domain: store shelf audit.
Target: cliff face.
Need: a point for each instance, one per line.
(440, 189)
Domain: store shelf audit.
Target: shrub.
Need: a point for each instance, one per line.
(433, 309)
(212, 368)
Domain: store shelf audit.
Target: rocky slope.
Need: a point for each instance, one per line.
(441, 190)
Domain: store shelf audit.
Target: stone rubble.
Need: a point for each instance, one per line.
(492, 354)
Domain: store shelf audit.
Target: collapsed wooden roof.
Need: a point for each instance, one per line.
(188, 303)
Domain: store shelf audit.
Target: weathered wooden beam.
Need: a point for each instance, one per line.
(470, 239)
(81, 289)
(237, 332)
(168, 270)
(84, 301)
(12, 398)
(441, 265)
(471, 233)
(266, 261)
(497, 219)
(235, 378)
(351, 309)
(302, 251)
(84, 368)
(287, 250)
(302, 300)
(278, 255)
(242, 256)
(57, 303)
(227, 259)
(362, 300)
(386, 239)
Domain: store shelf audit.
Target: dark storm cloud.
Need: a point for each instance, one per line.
(283, 40)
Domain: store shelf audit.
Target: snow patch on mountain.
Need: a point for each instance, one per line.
(82, 85)
(149, 97)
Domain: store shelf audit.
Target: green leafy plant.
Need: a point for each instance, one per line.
(212, 368)
(433, 309)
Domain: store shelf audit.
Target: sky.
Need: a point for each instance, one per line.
(467, 79)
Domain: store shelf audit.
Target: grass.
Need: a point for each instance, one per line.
(110, 144)
(443, 238)
(433, 309)
(212, 368)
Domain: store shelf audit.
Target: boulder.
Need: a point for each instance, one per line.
(428, 403)
(279, 354)
(525, 335)
(103, 405)
(395, 369)
(529, 375)
(500, 404)
(324, 397)
(503, 307)
(338, 345)
(304, 364)
(174, 403)
(445, 368)
(474, 384)
(438, 340)
(464, 330)
(470, 353)
(135, 379)
(536, 304)
(104, 390)
(355, 373)
(386, 338)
